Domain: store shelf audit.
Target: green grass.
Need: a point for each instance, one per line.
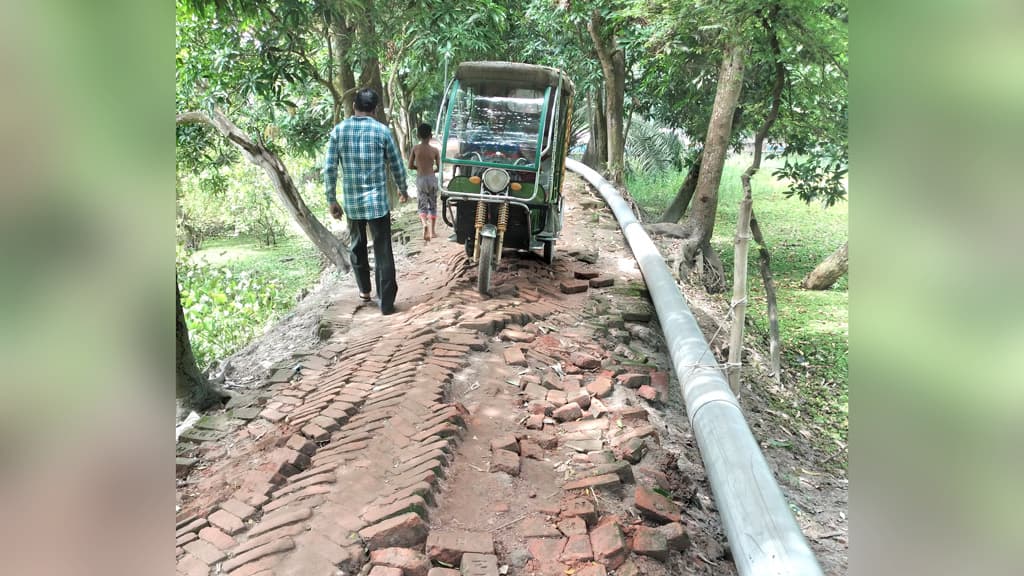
(294, 262)
(233, 288)
(812, 324)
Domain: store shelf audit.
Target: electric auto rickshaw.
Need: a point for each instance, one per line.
(505, 133)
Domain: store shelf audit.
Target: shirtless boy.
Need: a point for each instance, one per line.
(426, 161)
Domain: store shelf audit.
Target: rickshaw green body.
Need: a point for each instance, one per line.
(508, 117)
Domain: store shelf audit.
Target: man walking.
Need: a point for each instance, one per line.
(362, 147)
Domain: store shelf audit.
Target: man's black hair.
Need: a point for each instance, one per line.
(424, 131)
(366, 100)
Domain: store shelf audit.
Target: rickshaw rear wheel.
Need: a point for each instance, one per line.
(549, 251)
(483, 276)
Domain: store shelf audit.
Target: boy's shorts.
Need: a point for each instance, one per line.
(426, 202)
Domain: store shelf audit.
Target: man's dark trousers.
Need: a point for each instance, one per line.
(384, 259)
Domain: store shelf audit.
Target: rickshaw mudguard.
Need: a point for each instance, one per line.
(489, 231)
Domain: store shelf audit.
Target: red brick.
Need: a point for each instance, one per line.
(479, 564)
(517, 336)
(573, 526)
(582, 508)
(634, 380)
(650, 542)
(240, 509)
(602, 282)
(609, 545)
(411, 562)
(217, 538)
(601, 387)
(307, 492)
(227, 522)
(505, 461)
(570, 411)
(268, 549)
(577, 549)
(573, 286)
(443, 430)
(676, 536)
(205, 551)
(633, 450)
(552, 381)
(601, 481)
(649, 393)
(190, 526)
(535, 422)
(585, 274)
(186, 538)
(514, 356)
(505, 442)
(315, 433)
(546, 552)
(545, 440)
(385, 571)
(442, 572)
(320, 545)
(192, 566)
(414, 504)
(280, 518)
(556, 398)
(584, 361)
(271, 415)
(405, 531)
(580, 397)
(325, 478)
(530, 449)
(655, 506)
(632, 414)
(448, 547)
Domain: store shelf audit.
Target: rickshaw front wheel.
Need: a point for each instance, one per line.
(483, 277)
(549, 251)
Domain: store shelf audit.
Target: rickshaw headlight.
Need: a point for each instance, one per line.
(495, 179)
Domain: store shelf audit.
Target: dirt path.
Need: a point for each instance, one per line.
(533, 432)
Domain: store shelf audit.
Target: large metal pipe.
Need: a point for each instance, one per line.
(763, 535)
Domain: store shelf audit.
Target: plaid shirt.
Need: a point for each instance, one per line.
(362, 146)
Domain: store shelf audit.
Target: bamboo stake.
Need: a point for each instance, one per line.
(739, 293)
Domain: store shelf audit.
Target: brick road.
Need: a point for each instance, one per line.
(372, 455)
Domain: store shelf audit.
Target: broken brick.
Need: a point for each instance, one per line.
(609, 545)
(505, 461)
(570, 411)
(410, 562)
(650, 542)
(577, 549)
(448, 547)
(405, 531)
(655, 506)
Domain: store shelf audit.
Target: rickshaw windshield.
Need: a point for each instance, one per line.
(496, 125)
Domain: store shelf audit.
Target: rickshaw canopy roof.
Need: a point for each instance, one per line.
(513, 74)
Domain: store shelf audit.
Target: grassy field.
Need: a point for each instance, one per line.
(294, 262)
(234, 287)
(813, 324)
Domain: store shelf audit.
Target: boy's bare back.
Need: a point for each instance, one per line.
(425, 159)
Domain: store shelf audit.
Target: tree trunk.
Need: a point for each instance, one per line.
(831, 269)
(701, 219)
(194, 390)
(613, 68)
(764, 256)
(765, 266)
(596, 155)
(344, 78)
(676, 210)
(333, 248)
